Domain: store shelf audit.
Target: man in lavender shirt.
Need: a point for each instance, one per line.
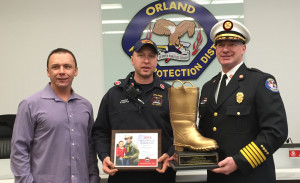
(51, 140)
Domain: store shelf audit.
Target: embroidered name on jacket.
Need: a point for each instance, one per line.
(124, 101)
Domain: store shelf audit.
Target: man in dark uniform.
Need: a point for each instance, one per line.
(132, 151)
(140, 101)
(245, 114)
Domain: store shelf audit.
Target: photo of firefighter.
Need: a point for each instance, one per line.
(127, 154)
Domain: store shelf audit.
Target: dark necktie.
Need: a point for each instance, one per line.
(222, 86)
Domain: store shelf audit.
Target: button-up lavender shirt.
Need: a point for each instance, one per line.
(51, 140)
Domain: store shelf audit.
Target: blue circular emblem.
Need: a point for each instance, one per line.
(185, 48)
(271, 85)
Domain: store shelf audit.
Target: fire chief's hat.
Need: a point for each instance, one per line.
(230, 30)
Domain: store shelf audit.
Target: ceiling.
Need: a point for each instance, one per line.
(116, 14)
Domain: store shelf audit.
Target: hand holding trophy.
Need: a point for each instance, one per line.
(192, 150)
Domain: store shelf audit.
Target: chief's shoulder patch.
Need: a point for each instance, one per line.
(271, 85)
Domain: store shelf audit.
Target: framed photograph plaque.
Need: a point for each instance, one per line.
(136, 149)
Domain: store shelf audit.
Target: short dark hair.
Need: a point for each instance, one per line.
(61, 50)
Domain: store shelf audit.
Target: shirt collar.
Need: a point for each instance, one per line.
(232, 71)
(48, 93)
(158, 83)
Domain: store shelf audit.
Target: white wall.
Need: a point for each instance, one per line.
(274, 48)
(30, 29)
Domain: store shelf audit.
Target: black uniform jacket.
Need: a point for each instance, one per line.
(120, 112)
(249, 124)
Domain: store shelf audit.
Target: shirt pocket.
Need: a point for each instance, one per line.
(239, 118)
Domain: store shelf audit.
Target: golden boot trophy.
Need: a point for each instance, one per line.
(183, 102)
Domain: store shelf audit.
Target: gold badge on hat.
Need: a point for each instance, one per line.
(227, 25)
(239, 97)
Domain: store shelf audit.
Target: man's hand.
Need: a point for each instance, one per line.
(165, 159)
(227, 166)
(108, 167)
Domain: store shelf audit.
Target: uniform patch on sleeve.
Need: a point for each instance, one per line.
(271, 85)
